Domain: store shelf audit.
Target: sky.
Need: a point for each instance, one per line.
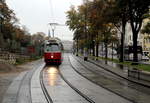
(37, 14)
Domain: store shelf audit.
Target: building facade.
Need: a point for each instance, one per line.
(146, 40)
(129, 37)
(143, 39)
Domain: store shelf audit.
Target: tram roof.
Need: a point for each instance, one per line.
(53, 40)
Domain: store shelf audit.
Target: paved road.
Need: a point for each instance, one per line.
(81, 90)
(74, 81)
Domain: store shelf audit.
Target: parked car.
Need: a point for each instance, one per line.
(145, 56)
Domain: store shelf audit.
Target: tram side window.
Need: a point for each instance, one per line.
(54, 47)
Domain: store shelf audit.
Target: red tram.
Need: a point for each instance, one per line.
(52, 52)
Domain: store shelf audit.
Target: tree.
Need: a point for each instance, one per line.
(8, 21)
(75, 21)
(96, 17)
(132, 11)
(137, 11)
(106, 22)
(114, 42)
(38, 38)
(72, 18)
(120, 18)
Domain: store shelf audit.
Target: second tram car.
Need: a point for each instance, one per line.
(52, 52)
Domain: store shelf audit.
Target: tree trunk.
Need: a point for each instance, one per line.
(135, 30)
(102, 49)
(112, 51)
(122, 40)
(77, 47)
(135, 56)
(97, 49)
(106, 51)
(93, 47)
(136, 23)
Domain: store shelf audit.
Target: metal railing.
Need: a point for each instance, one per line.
(11, 58)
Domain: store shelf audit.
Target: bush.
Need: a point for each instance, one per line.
(20, 60)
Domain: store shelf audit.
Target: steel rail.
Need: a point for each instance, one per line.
(99, 84)
(45, 92)
(104, 68)
(47, 96)
(21, 85)
(75, 89)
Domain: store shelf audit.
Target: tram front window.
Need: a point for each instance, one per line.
(54, 47)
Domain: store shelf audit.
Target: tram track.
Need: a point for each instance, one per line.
(141, 84)
(141, 90)
(17, 96)
(75, 89)
(20, 86)
(39, 87)
(45, 92)
(112, 73)
(19, 90)
(47, 95)
(100, 84)
(25, 85)
(133, 84)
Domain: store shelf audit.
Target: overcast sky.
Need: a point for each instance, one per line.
(36, 14)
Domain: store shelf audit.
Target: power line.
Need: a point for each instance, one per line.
(51, 10)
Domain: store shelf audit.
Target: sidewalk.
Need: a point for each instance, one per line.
(9, 75)
(148, 63)
(128, 73)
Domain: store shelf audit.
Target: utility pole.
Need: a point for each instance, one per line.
(49, 34)
(53, 27)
